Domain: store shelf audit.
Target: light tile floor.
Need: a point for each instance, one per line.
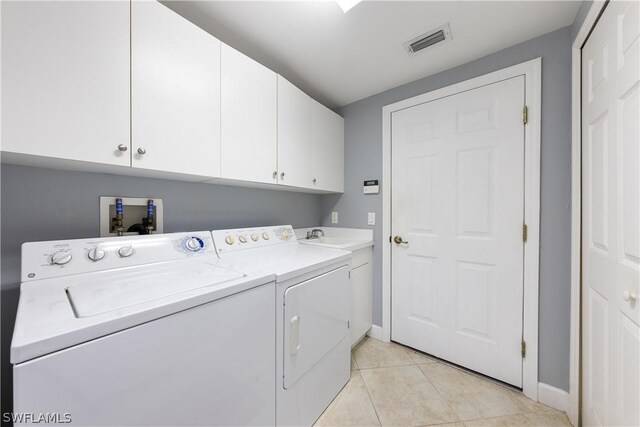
(392, 385)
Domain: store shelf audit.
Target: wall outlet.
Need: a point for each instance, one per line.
(334, 217)
(371, 218)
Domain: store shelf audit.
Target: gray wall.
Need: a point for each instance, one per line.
(579, 19)
(43, 204)
(363, 151)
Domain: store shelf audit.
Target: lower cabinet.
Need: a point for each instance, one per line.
(361, 294)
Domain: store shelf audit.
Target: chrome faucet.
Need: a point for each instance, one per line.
(314, 234)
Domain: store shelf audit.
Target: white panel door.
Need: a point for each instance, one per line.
(458, 203)
(249, 105)
(65, 80)
(611, 219)
(327, 149)
(175, 100)
(294, 135)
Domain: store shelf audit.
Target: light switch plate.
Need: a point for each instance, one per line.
(371, 218)
(334, 217)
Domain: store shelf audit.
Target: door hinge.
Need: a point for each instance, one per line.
(524, 233)
(523, 348)
(349, 274)
(525, 115)
(348, 324)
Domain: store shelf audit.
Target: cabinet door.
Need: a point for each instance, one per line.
(249, 106)
(327, 149)
(294, 135)
(65, 80)
(175, 84)
(361, 301)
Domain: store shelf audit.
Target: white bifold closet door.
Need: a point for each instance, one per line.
(611, 219)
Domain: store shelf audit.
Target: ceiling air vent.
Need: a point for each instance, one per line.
(423, 41)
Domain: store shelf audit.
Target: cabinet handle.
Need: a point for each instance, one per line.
(142, 151)
(275, 174)
(122, 147)
(282, 175)
(314, 181)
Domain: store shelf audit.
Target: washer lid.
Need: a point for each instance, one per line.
(128, 288)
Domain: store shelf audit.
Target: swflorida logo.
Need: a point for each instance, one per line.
(36, 418)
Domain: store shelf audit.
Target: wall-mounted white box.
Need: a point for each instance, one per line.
(134, 209)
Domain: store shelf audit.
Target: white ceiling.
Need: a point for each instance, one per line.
(339, 58)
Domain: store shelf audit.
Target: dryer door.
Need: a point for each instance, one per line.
(316, 319)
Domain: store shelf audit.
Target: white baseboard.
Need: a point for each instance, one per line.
(554, 397)
(376, 332)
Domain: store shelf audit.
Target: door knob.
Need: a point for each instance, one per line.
(629, 296)
(142, 151)
(122, 147)
(398, 240)
(275, 174)
(282, 175)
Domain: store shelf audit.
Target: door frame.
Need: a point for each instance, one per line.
(532, 70)
(597, 7)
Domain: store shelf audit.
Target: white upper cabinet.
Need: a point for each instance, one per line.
(327, 149)
(294, 135)
(134, 88)
(249, 107)
(65, 80)
(175, 99)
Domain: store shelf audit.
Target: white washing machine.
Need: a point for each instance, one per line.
(313, 304)
(146, 330)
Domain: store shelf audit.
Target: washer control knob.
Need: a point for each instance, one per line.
(125, 251)
(255, 237)
(242, 238)
(265, 235)
(229, 239)
(193, 244)
(284, 234)
(61, 257)
(96, 254)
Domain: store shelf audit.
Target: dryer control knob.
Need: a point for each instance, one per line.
(255, 237)
(242, 238)
(265, 235)
(229, 240)
(61, 257)
(125, 251)
(96, 254)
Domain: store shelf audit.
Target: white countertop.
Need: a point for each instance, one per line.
(349, 239)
